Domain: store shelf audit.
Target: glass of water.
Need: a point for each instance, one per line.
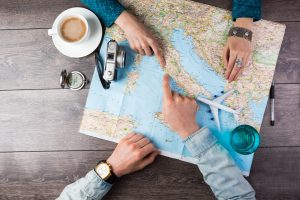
(244, 139)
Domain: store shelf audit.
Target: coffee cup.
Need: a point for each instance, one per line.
(71, 28)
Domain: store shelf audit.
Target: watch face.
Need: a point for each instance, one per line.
(103, 170)
(75, 80)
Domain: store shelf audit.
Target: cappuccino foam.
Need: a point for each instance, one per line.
(73, 29)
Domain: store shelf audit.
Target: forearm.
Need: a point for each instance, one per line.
(218, 169)
(244, 23)
(89, 187)
(107, 10)
(246, 9)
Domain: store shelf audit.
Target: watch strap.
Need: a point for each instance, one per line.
(112, 178)
(240, 32)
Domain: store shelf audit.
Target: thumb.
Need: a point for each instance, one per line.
(149, 159)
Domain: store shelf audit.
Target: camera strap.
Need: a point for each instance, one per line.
(100, 69)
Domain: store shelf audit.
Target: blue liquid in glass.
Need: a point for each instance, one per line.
(244, 139)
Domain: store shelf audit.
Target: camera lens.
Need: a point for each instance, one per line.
(121, 58)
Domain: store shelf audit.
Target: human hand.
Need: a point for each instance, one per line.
(139, 37)
(133, 153)
(178, 111)
(237, 48)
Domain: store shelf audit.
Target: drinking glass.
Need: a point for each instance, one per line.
(244, 139)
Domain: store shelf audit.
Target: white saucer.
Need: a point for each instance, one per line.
(85, 47)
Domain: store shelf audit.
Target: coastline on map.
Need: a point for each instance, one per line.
(106, 125)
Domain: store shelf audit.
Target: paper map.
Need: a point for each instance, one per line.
(192, 36)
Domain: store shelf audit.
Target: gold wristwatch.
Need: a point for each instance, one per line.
(104, 170)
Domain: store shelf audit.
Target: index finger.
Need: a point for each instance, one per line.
(166, 88)
(157, 52)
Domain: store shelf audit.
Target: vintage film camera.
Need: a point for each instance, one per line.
(115, 58)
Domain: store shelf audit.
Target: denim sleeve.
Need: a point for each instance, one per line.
(107, 10)
(90, 187)
(246, 8)
(218, 169)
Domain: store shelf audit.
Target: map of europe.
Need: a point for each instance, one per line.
(192, 36)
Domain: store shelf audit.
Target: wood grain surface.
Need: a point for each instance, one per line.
(41, 150)
(16, 14)
(36, 63)
(286, 132)
(43, 175)
(29, 60)
(47, 120)
(44, 120)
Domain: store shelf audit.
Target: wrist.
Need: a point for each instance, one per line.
(114, 167)
(104, 171)
(121, 21)
(244, 23)
(189, 131)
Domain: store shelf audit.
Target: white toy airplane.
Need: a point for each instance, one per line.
(215, 105)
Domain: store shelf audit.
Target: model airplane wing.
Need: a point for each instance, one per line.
(224, 96)
(215, 113)
(216, 104)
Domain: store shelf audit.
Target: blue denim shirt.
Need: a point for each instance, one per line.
(218, 169)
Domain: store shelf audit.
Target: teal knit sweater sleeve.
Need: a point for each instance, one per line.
(246, 8)
(107, 10)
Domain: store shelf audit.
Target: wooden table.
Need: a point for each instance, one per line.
(41, 150)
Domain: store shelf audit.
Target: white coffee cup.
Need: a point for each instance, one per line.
(56, 30)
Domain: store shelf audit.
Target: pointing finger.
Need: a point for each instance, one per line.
(154, 46)
(166, 88)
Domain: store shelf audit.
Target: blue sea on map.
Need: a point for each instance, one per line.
(145, 100)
